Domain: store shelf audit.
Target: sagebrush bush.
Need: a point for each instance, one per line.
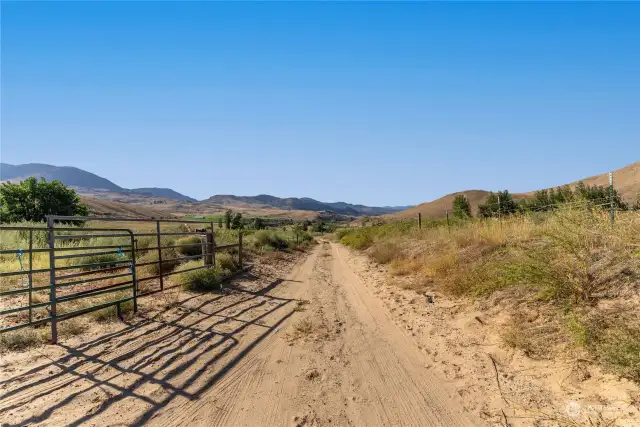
(154, 269)
(385, 252)
(203, 279)
(194, 246)
(226, 261)
(270, 240)
(111, 259)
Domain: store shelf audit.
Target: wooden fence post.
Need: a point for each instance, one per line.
(419, 220)
(209, 249)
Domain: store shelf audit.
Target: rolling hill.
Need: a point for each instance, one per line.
(164, 199)
(626, 181)
(128, 210)
(71, 176)
(299, 204)
(166, 193)
(84, 182)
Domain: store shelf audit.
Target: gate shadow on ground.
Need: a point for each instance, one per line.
(152, 351)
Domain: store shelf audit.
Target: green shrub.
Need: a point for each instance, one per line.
(270, 240)
(112, 259)
(226, 262)
(203, 279)
(21, 339)
(154, 269)
(196, 249)
(360, 238)
(110, 314)
(385, 252)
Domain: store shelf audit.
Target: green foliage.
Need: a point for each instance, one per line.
(551, 199)
(226, 262)
(194, 248)
(500, 203)
(360, 238)
(258, 224)
(270, 240)
(319, 227)
(461, 207)
(32, 200)
(110, 314)
(237, 222)
(219, 222)
(203, 279)
(228, 216)
(306, 224)
(154, 269)
(111, 258)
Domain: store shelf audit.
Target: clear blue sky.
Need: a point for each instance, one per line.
(374, 103)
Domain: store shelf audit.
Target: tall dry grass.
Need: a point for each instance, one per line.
(570, 261)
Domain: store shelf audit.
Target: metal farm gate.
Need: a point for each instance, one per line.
(64, 271)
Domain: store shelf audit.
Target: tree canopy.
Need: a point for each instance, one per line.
(461, 207)
(32, 200)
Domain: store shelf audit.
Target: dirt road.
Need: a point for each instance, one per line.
(313, 349)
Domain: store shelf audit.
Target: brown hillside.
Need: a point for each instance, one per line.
(626, 180)
(437, 208)
(110, 208)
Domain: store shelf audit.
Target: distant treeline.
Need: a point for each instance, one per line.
(503, 203)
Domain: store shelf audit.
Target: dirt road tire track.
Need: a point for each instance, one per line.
(368, 372)
(240, 358)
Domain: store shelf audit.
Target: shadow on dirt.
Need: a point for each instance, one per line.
(173, 355)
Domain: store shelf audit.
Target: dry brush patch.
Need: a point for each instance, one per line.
(556, 272)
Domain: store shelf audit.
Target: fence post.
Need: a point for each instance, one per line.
(448, 225)
(240, 249)
(134, 248)
(419, 220)
(209, 249)
(613, 210)
(30, 274)
(159, 255)
(52, 281)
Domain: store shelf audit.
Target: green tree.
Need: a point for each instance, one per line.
(461, 207)
(258, 224)
(237, 223)
(500, 203)
(319, 226)
(228, 216)
(306, 224)
(32, 200)
(219, 222)
(298, 231)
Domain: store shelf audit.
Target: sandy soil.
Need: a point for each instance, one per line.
(462, 341)
(314, 348)
(323, 341)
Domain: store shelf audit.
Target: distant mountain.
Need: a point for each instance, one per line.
(80, 179)
(89, 184)
(167, 193)
(69, 175)
(301, 204)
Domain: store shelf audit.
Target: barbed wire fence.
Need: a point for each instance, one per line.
(612, 202)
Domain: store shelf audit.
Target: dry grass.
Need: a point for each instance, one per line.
(562, 264)
(302, 329)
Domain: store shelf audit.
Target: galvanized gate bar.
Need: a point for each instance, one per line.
(52, 281)
(207, 242)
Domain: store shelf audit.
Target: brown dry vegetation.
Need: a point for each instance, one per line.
(570, 282)
(627, 182)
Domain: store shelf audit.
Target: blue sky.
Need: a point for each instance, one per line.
(374, 103)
